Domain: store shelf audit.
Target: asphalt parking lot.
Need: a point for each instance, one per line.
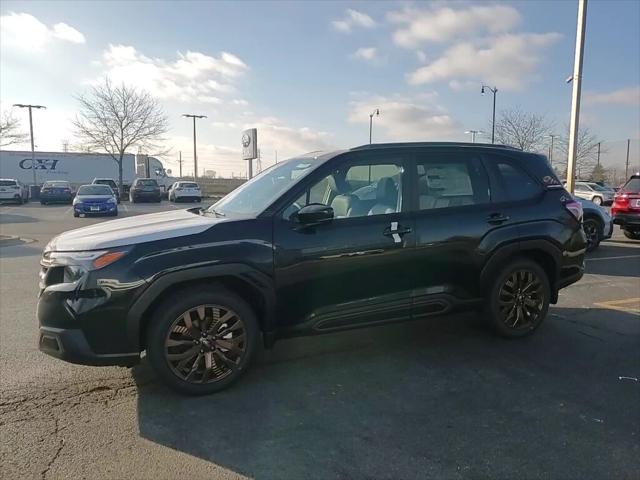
(436, 399)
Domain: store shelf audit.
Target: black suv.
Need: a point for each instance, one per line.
(110, 182)
(145, 189)
(319, 243)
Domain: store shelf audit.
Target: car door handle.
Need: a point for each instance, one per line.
(497, 218)
(400, 231)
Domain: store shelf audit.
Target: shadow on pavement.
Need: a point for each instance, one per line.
(437, 399)
(21, 250)
(614, 260)
(9, 218)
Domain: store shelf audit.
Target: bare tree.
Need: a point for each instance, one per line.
(586, 153)
(10, 130)
(115, 119)
(523, 130)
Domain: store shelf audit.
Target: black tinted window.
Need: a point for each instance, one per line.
(147, 183)
(446, 181)
(632, 186)
(517, 184)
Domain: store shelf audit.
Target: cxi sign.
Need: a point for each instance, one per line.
(48, 164)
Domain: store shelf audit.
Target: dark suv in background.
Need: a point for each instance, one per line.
(145, 189)
(110, 182)
(315, 244)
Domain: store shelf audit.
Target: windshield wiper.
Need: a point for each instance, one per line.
(217, 214)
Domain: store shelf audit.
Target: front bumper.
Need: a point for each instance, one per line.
(607, 231)
(56, 198)
(71, 346)
(103, 209)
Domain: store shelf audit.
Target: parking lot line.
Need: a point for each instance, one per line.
(628, 305)
(612, 258)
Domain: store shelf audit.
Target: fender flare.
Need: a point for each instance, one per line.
(259, 280)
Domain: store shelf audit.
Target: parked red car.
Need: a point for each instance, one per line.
(626, 208)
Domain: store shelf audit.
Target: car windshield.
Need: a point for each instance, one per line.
(55, 185)
(258, 193)
(147, 183)
(632, 186)
(95, 190)
(7, 183)
(111, 183)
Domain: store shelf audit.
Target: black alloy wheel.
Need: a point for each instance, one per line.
(201, 340)
(519, 299)
(592, 232)
(205, 344)
(632, 234)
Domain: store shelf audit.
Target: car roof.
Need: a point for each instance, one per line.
(487, 146)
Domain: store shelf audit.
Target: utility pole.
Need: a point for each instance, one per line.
(493, 90)
(195, 155)
(276, 156)
(180, 163)
(473, 134)
(376, 112)
(33, 152)
(598, 153)
(551, 149)
(626, 166)
(575, 95)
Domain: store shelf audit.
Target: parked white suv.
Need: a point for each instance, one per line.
(188, 191)
(594, 192)
(13, 191)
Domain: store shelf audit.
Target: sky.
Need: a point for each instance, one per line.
(308, 74)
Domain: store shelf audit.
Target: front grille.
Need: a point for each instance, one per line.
(51, 276)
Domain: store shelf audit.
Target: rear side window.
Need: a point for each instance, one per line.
(517, 184)
(632, 186)
(7, 183)
(449, 181)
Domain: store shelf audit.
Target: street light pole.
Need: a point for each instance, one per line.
(195, 155)
(473, 134)
(493, 90)
(551, 149)
(33, 152)
(376, 112)
(575, 95)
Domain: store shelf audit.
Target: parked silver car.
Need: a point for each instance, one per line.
(596, 223)
(594, 193)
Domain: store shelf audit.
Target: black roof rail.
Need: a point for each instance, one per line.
(434, 144)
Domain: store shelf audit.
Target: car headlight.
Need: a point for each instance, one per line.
(73, 261)
(111, 200)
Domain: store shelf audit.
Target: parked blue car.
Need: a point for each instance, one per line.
(56, 191)
(95, 200)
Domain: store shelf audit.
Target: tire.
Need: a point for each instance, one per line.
(198, 199)
(597, 200)
(42, 202)
(592, 229)
(169, 316)
(633, 235)
(132, 199)
(522, 272)
(75, 214)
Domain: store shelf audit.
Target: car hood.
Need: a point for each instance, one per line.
(93, 198)
(132, 230)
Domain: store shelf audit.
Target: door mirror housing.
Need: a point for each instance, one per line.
(314, 214)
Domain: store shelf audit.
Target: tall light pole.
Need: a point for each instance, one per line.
(575, 95)
(552, 136)
(493, 90)
(195, 155)
(376, 112)
(33, 152)
(473, 134)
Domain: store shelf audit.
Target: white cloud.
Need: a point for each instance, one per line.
(240, 101)
(353, 18)
(405, 119)
(68, 33)
(193, 76)
(289, 141)
(507, 60)
(442, 24)
(623, 96)
(25, 32)
(368, 54)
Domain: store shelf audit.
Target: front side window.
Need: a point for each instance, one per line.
(451, 182)
(356, 190)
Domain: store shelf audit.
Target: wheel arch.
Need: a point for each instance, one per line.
(253, 286)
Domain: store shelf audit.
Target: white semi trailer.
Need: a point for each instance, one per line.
(81, 168)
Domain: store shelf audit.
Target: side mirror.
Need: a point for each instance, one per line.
(314, 214)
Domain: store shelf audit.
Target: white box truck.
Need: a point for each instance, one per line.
(81, 168)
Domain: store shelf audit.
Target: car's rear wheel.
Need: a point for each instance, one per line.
(592, 229)
(597, 200)
(201, 341)
(519, 299)
(632, 234)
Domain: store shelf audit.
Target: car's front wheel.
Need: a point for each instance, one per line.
(592, 231)
(632, 234)
(519, 299)
(202, 340)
